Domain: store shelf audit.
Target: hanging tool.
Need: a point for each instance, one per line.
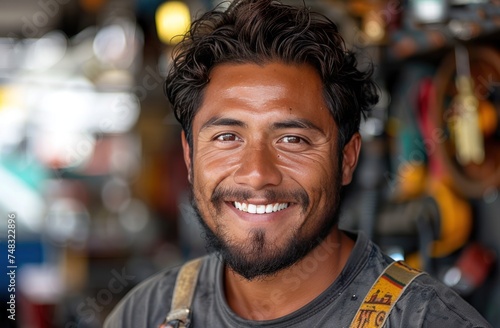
(465, 127)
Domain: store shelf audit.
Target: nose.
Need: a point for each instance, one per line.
(258, 168)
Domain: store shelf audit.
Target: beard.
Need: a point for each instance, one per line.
(257, 256)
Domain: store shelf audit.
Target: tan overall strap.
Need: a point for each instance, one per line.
(183, 293)
(384, 293)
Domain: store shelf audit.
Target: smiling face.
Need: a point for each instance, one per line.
(265, 167)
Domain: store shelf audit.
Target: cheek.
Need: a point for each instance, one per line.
(316, 174)
(213, 165)
(311, 169)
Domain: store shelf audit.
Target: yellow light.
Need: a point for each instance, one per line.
(374, 30)
(172, 21)
(10, 97)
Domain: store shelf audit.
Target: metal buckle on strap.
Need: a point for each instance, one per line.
(179, 314)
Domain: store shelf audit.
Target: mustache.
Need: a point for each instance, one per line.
(299, 196)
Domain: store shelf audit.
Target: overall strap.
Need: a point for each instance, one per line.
(185, 285)
(382, 296)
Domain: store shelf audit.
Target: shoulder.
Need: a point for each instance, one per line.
(147, 304)
(144, 303)
(427, 302)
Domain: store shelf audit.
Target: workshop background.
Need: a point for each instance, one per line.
(92, 176)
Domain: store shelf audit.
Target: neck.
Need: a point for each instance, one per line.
(292, 288)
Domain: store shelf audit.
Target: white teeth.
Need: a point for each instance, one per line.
(252, 208)
(260, 209)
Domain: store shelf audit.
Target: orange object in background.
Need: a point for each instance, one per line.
(92, 6)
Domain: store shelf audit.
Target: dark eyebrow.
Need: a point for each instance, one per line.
(298, 123)
(221, 121)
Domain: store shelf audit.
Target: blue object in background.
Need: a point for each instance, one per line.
(27, 252)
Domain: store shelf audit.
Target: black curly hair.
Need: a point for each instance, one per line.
(263, 31)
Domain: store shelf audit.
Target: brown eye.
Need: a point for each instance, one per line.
(291, 139)
(227, 137)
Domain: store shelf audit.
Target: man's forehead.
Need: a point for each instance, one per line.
(233, 70)
(276, 91)
(253, 82)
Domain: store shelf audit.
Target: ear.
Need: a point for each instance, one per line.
(350, 158)
(187, 155)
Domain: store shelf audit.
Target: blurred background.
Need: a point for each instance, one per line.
(92, 171)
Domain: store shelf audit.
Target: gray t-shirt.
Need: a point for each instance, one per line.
(424, 303)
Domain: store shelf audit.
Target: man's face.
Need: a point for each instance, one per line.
(265, 166)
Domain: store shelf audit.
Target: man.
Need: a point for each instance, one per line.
(270, 103)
